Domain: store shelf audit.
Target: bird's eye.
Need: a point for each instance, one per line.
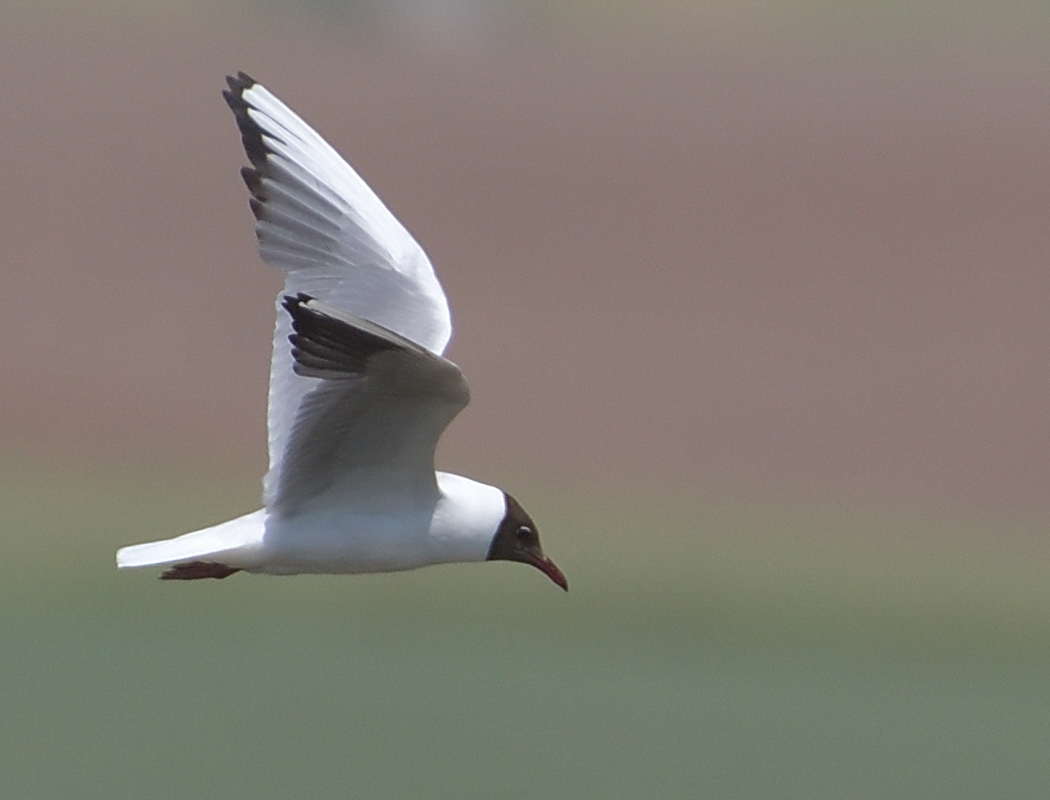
(526, 535)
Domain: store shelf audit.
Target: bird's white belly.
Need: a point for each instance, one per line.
(334, 541)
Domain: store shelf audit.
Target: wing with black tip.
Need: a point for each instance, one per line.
(320, 223)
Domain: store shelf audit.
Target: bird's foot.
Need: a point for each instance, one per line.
(193, 570)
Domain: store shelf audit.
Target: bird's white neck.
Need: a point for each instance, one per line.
(465, 519)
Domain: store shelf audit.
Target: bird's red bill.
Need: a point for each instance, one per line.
(550, 569)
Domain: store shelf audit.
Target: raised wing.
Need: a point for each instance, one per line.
(321, 224)
(377, 406)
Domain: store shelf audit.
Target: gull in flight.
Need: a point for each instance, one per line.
(359, 390)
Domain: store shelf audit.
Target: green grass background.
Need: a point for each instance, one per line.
(709, 650)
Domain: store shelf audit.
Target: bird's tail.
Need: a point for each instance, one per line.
(235, 544)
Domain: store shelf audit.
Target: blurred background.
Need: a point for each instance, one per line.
(753, 299)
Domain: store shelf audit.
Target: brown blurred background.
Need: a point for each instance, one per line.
(714, 254)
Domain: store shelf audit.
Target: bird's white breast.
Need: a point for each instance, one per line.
(386, 534)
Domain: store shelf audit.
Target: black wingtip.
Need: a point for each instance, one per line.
(241, 82)
(238, 86)
(253, 180)
(293, 303)
(326, 346)
(251, 133)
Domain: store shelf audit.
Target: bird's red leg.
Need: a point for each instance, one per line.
(194, 570)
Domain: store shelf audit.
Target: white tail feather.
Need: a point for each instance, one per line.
(236, 541)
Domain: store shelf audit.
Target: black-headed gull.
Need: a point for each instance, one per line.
(359, 390)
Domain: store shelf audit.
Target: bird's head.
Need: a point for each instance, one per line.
(518, 539)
